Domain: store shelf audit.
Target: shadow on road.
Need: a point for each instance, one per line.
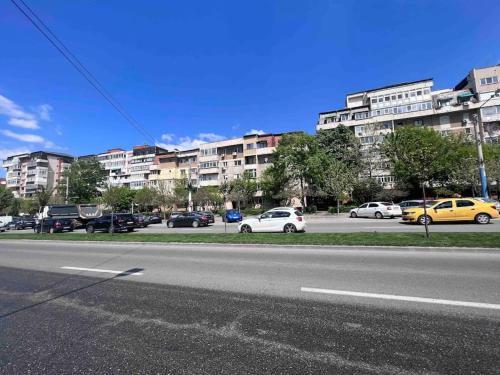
(123, 274)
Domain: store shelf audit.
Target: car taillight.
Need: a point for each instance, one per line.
(204, 217)
(494, 207)
(58, 224)
(299, 218)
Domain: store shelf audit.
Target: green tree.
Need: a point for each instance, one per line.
(366, 190)
(208, 196)
(492, 162)
(14, 207)
(85, 178)
(118, 198)
(417, 153)
(29, 205)
(145, 198)
(6, 198)
(298, 162)
(43, 197)
(338, 180)
(341, 144)
(243, 189)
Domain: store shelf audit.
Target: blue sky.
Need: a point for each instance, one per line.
(193, 71)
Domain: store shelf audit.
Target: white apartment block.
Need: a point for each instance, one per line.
(27, 174)
(372, 113)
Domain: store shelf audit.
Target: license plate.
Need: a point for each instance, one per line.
(130, 222)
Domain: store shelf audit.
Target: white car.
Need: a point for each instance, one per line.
(281, 219)
(378, 210)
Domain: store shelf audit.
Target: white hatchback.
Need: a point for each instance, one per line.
(281, 219)
(378, 210)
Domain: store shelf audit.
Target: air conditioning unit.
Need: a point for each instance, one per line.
(222, 155)
(235, 154)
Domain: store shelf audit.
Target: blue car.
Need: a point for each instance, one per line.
(232, 216)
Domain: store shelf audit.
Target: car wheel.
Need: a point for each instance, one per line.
(354, 215)
(290, 228)
(379, 215)
(422, 219)
(130, 230)
(246, 229)
(195, 224)
(89, 229)
(482, 219)
(170, 224)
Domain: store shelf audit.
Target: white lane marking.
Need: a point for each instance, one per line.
(103, 271)
(395, 297)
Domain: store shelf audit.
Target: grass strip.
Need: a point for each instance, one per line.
(476, 239)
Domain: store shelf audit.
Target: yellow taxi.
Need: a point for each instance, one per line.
(452, 209)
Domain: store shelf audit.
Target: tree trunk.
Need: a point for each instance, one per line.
(498, 188)
(304, 199)
(338, 207)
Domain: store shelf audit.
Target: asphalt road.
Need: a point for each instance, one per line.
(184, 309)
(331, 224)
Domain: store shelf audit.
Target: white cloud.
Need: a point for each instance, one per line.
(255, 131)
(43, 111)
(21, 118)
(6, 152)
(29, 138)
(188, 143)
(23, 123)
(211, 137)
(169, 137)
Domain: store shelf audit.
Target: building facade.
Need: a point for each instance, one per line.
(373, 113)
(27, 174)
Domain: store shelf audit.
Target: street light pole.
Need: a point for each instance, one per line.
(479, 139)
(480, 158)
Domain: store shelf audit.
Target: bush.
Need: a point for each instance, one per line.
(332, 210)
(311, 209)
(251, 211)
(342, 209)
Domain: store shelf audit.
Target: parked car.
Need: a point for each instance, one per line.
(3, 226)
(453, 209)
(489, 200)
(121, 223)
(16, 224)
(378, 210)
(232, 216)
(410, 203)
(28, 222)
(211, 217)
(188, 219)
(141, 221)
(174, 214)
(155, 219)
(51, 225)
(283, 219)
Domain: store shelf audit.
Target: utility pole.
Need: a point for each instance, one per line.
(479, 139)
(480, 158)
(67, 189)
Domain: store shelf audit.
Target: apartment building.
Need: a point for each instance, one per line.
(29, 173)
(373, 113)
(129, 168)
(217, 162)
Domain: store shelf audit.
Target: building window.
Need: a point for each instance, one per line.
(208, 164)
(344, 117)
(489, 80)
(262, 144)
(237, 162)
(224, 164)
(249, 146)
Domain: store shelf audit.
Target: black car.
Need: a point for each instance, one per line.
(155, 219)
(51, 225)
(121, 223)
(16, 223)
(211, 217)
(188, 219)
(28, 222)
(142, 221)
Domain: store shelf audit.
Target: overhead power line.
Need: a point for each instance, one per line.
(73, 60)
